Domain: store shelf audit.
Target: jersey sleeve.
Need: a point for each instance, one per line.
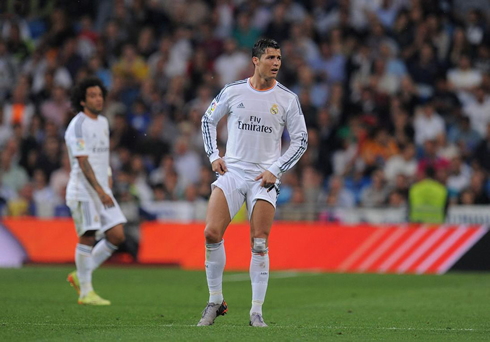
(295, 123)
(77, 141)
(218, 108)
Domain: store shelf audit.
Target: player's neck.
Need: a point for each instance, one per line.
(260, 83)
(90, 114)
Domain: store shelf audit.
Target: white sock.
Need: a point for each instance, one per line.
(259, 275)
(102, 251)
(84, 263)
(215, 265)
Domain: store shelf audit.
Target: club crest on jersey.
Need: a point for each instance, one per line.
(274, 109)
(80, 144)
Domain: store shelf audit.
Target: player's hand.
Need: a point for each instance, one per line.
(106, 200)
(268, 179)
(219, 166)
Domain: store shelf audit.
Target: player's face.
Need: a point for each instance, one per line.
(269, 63)
(94, 100)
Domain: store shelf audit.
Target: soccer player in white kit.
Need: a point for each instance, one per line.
(258, 109)
(88, 194)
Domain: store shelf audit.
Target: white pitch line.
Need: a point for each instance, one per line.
(247, 327)
(274, 275)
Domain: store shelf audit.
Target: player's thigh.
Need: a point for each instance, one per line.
(218, 214)
(85, 216)
(226, 200)
(261, 220)
(115, 235)
(111, 218)
(261, 205)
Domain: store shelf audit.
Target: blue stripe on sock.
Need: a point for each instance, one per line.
(213, 246)
(110, 245)
(84, 248)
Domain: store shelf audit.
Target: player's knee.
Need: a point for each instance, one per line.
(212, 235)
(259, 246)
(260, 235)
(87, 239)
(117, 238)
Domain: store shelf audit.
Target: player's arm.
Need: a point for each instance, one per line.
(209, 122)
(109, 174)
(90, 176)
(295, 123)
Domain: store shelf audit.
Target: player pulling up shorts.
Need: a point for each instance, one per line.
(258, 110)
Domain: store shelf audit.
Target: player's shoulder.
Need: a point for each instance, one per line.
(76, 124)
(236, 84)
(104, 119)
(231, 88)
(76, 118)
(287, 97)
(284, 91)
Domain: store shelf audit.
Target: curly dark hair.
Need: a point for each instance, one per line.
(79, 92)
(262, 44)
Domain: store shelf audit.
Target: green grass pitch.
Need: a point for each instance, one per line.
(161, 304)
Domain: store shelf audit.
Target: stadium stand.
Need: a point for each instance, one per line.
(388, 88)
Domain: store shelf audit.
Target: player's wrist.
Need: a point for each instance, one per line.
(275, 170)
(215, 156)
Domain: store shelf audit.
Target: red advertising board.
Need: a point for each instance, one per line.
(333, 247)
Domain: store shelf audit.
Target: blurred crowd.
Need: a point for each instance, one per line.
(388, 88)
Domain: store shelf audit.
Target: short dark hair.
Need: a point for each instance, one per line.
(79, 93)
(430, 172)
(262, 44)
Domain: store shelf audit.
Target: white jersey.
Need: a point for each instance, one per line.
(256, 121)
(87, 137)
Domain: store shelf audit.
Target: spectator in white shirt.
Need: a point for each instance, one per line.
(428, 124)
(337, 194)
(404, 163)
(180, 53)
(344, 159)
(57, 108)
(295, 12)
(479, 111)
(59, 178)
(459, 176)
(6, 131)
(231, 63)
(464, 77)
(187, 162)
(376, 194)
(44, 196)
(61, 75)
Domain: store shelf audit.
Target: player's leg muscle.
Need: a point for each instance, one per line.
(260, 227)
(217, 217)
(88, 238)
(115, 235)
(261, 223)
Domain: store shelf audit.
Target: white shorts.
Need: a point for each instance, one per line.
(240, 186)
(92, 215)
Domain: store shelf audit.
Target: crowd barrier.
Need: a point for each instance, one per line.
(308, 246)
(187, 212)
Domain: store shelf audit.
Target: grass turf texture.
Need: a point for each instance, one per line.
(158, 304)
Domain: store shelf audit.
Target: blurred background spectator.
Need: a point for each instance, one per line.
(388, 88)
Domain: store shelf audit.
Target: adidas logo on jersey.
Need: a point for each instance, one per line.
(241, 105)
